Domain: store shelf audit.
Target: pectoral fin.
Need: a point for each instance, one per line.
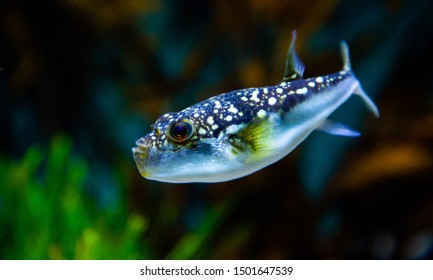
(251, 138)
(254, 142)
(336, 128)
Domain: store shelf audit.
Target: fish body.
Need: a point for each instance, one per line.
(237, 133)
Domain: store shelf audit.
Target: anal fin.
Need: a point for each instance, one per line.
(336, 128)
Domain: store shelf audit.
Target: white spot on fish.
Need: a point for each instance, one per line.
(217, 104)
(311, 84)
(265, 90)
(196, 115)
(291, 92)
(279, 90)
(244, 98)
(303, 90)
(272, 101)
(233, 109)
(240, 114)
(215, 126)
(319, 80)
(261, 114)
(202, 131)
(210, 120)
(254, 96)
(232, 129)
(229, 118)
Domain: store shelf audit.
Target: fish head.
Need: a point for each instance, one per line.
(178, 151)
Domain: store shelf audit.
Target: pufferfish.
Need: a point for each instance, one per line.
(234, 134)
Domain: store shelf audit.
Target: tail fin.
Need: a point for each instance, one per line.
(359, 91)
(367, 100)
(346, 56)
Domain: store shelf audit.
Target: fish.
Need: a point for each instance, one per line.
(235, 134)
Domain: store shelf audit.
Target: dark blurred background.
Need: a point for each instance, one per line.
(81, 80)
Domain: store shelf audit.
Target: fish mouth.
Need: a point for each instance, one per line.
(141, 153)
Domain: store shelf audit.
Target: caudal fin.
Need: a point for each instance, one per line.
(367, 100)
(345, 56)
(359, 91)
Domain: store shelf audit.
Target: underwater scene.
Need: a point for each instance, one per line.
(82, 80)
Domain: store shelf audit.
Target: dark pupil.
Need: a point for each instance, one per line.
(180, 131)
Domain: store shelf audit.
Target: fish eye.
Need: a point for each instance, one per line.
(180, 131)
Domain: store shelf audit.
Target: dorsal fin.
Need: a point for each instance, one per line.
(294, 66)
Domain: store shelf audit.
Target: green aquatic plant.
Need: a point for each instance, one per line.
(45, 212)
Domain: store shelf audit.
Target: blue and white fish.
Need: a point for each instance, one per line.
(234, 134)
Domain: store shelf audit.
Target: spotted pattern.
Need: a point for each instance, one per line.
(213, 116)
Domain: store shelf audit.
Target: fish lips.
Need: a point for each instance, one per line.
(141, 154)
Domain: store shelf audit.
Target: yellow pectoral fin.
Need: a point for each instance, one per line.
(255, 140)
